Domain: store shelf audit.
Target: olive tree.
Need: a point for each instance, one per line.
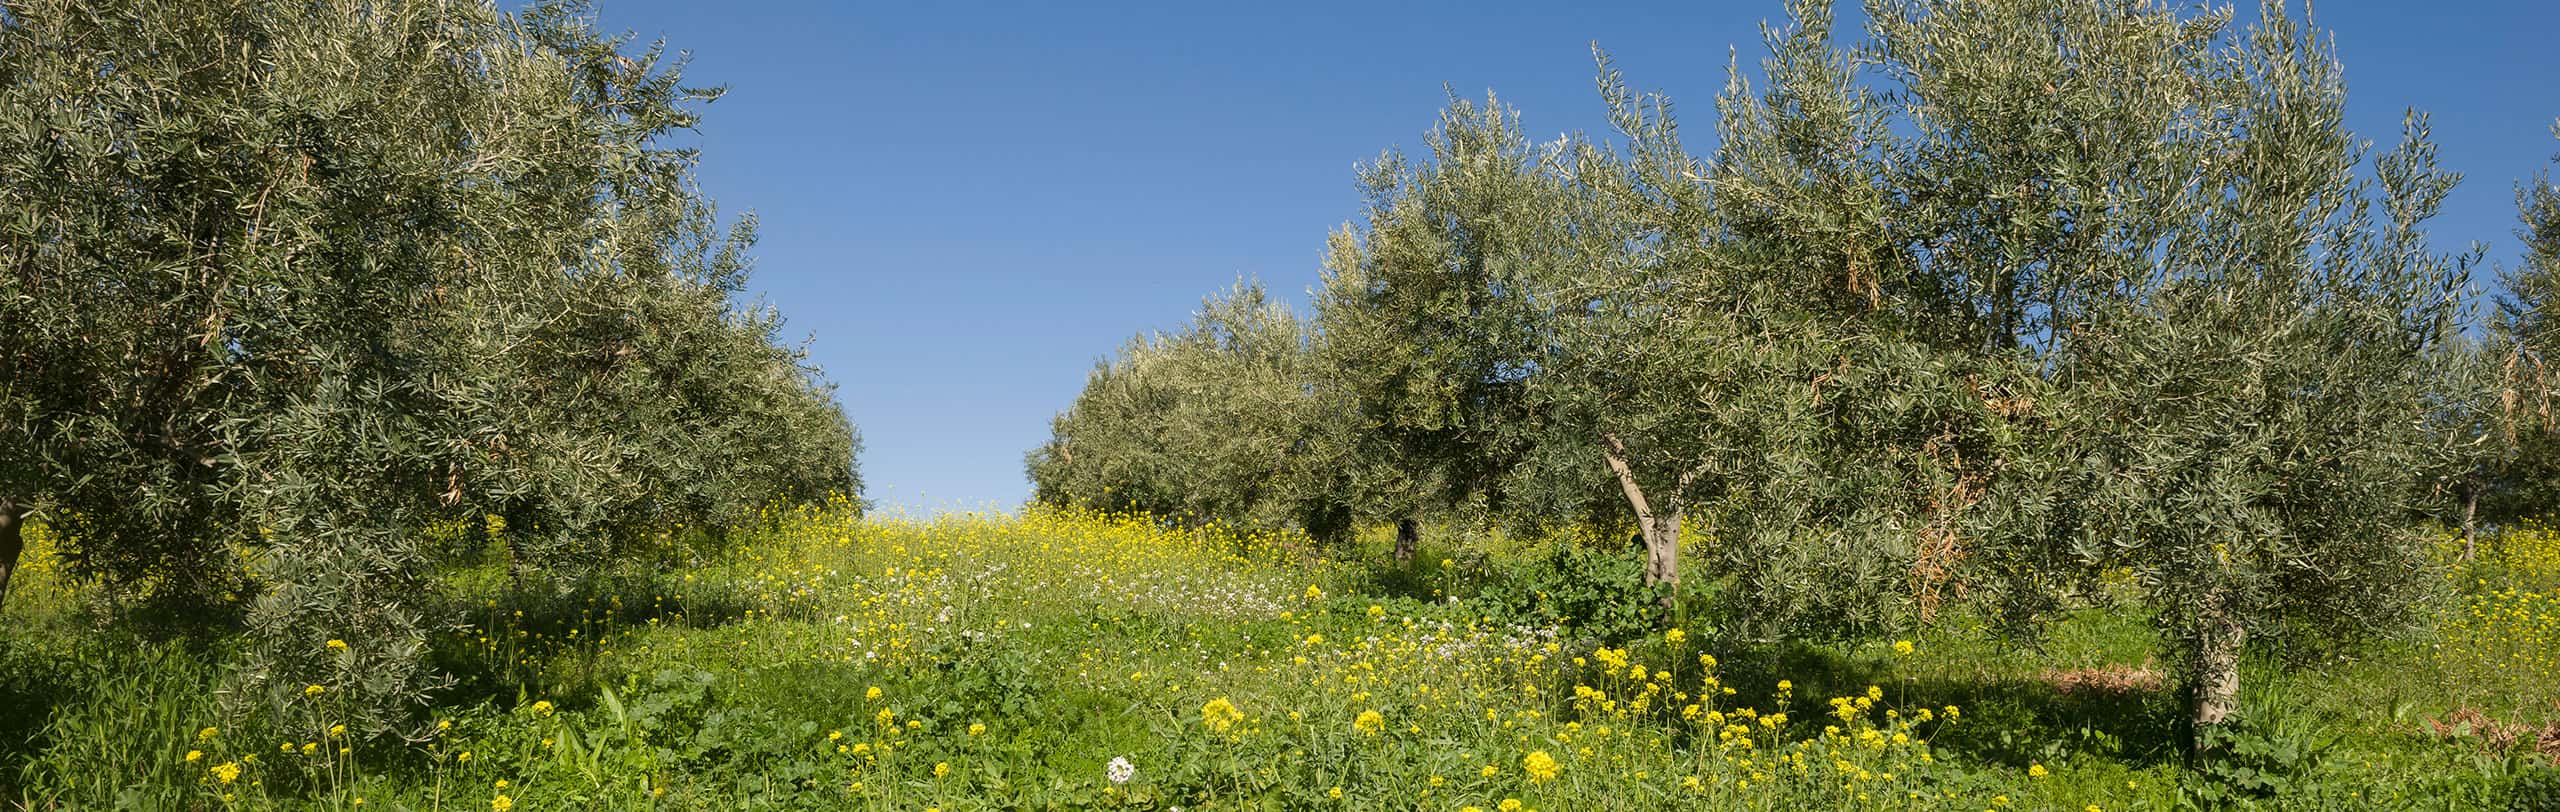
(1741, 341)
(1217, 422)
(2007, 295)
(283, 283)
(1422, 320)
(2252, 419)
(2522, 478)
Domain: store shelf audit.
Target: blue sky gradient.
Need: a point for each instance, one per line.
(965, 205)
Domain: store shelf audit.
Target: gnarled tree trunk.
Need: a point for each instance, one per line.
(1662, 550)
(1408, 537)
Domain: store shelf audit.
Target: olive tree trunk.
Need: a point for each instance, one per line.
(1408, 538)
(2470, 515)
(1661, 530)
(2217, 680)
(12, 542)
(1662, 550)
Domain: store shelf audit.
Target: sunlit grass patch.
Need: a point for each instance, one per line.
(1079, 660)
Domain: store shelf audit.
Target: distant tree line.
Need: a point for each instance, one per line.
(285, 284)
(1993, 299)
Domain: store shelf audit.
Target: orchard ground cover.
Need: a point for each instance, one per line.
(1059, 659)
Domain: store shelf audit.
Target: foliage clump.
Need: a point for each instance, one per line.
(1217, 422)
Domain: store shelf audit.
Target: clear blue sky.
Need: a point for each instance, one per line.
(967, 204)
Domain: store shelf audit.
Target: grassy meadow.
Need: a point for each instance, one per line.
(1064, 660)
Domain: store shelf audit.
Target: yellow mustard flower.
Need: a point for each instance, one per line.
(1220, 714)
(1370, 722)
(1540, 766)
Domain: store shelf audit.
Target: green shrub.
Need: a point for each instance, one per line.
(1593, 593)
(2534, 789)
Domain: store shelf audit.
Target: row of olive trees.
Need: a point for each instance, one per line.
(1990, 300)
(2506, 402)
(283, 284)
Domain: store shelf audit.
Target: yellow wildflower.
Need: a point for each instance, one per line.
(1220, 714)
(1370, 722)
(1540, 766)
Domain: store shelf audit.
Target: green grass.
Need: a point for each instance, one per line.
(1025, 654)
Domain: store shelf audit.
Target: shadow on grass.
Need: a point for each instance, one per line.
(541, 634)
(34, 679)
(2003, 720)
(1416, 580)
(93, 716)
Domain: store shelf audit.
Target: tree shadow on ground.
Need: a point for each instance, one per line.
(512, 633)
(34, 680)
(2001, 719)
